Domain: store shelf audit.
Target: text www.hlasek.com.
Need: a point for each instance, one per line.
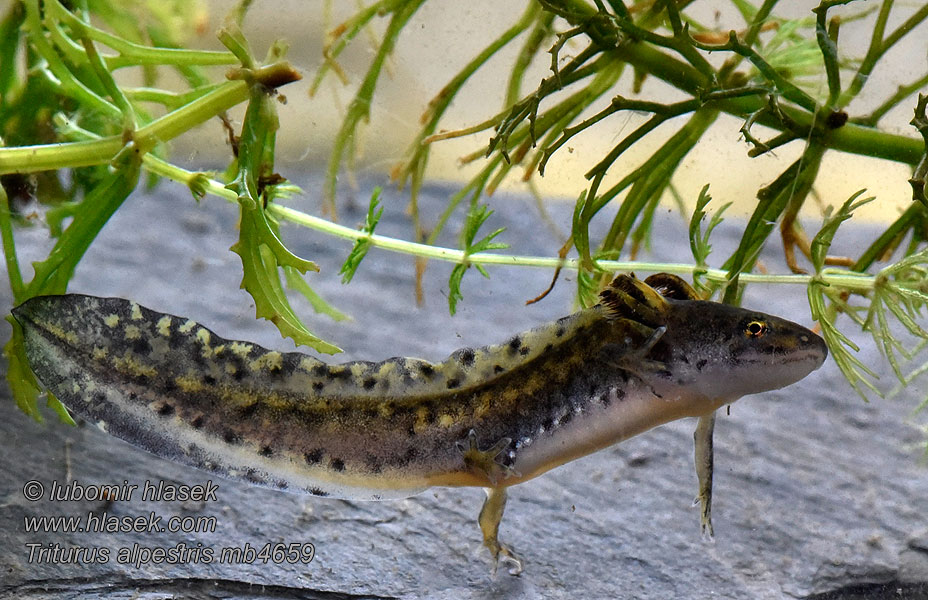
(107, 523)
(140, 554)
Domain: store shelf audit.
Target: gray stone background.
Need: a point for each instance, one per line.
(817, 493)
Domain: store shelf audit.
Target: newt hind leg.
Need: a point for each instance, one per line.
(490, 516)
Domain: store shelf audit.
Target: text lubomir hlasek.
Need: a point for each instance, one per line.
(158, 491)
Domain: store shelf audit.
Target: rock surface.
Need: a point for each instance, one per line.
(817, 494)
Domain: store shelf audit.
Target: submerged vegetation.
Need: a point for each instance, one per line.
(79, 141)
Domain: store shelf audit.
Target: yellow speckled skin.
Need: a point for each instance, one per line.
(489, 417)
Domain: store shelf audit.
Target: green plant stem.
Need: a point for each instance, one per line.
(679, 43)
(829, 276)
(29, 159)
(53, 274)
(171, 100)
(594, 69)
(67, 83)
(785, 87)
(760, 17)
(9, 248)
(888, 237)
(829, 50)
(879, 46)
(528, 106)
(521, 134)
(10, 35)
(346, 32)
(840, 278)
(792, 185)
(418, 152)
(539, 33)
(852, 137)
(132, 54)
(443, 99)
(874, 51)
(361, 104)
(903, 92)
(653, 177)
(199, 182)
(109, 84)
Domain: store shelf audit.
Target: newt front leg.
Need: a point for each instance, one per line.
(702, 439)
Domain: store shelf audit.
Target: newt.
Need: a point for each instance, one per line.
(650, 352)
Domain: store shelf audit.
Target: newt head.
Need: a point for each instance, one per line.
(728, 352)
(707, 349)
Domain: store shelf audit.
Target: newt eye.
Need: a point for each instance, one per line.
(755, 329)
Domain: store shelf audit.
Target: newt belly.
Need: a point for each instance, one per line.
(492, 417)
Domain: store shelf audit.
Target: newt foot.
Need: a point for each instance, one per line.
(485, 462)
